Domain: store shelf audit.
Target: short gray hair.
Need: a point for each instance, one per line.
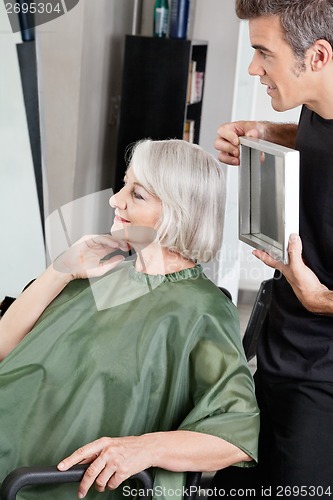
(303, 21)
(191, 186)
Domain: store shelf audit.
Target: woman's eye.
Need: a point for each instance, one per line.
(137, 195)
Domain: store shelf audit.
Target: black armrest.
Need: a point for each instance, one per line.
(27, 476)
(192, 485)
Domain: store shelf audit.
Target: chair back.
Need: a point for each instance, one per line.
(257, 319)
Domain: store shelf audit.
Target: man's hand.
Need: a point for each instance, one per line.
(314, 296)
(227, 141)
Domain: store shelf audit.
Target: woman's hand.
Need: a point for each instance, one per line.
(90, 257)
(112, 461)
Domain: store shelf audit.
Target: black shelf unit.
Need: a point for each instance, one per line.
(154, 92)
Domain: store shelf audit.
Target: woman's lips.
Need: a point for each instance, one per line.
(117, 218)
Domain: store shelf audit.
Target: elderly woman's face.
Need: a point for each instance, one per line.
(134, 206)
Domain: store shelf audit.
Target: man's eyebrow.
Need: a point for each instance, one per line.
(261, 47)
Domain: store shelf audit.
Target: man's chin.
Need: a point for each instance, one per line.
(276, 106)
(280, 107)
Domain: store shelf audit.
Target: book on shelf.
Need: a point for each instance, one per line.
(198, 87)
(192, 69)
(188, 134)
(194, 84)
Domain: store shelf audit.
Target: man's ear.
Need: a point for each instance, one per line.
(321, 54)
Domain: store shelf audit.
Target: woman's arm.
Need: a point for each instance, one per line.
(82, 260)
(113, 460)
(27, 308)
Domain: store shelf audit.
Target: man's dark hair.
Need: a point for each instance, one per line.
(303, 21)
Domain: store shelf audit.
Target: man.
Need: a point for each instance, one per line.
(293, 42)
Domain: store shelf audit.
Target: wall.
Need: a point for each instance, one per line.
(80, 61)
(22, 248)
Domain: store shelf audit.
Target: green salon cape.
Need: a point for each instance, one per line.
(124, 355)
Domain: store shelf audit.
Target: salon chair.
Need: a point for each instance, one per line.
(27, 476)
(257, 319)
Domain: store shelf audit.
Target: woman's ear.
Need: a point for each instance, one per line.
(321, 54)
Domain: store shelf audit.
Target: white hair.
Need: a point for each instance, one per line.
(191, 186)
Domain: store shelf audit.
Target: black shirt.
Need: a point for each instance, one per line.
(299, 344)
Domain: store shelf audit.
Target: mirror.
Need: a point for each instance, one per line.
(268, 196)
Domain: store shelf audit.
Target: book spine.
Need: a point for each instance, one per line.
(179, 16)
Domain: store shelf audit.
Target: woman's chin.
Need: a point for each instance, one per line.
(117, 226)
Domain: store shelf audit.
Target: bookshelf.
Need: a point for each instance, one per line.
(155, 99)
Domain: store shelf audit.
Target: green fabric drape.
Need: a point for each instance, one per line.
(125, 355)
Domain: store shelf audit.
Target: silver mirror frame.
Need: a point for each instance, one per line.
(286, 196)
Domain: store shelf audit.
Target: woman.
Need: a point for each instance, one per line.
(149, 354)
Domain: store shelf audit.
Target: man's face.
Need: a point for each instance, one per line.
(287, 78)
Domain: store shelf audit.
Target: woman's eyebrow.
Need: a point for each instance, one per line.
(140, 185)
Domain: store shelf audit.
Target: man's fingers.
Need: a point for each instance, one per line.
(228, 152)
(228, 159)
(295, 250)
(254, 132)
(227, 143)
(267, 259)
(294, 253)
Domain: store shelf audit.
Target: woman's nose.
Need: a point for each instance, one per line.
(112, 201)
(118, 200)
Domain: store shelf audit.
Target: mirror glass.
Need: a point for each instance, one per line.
(268, 196)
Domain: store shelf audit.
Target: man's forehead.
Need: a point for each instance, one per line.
(265, 32)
